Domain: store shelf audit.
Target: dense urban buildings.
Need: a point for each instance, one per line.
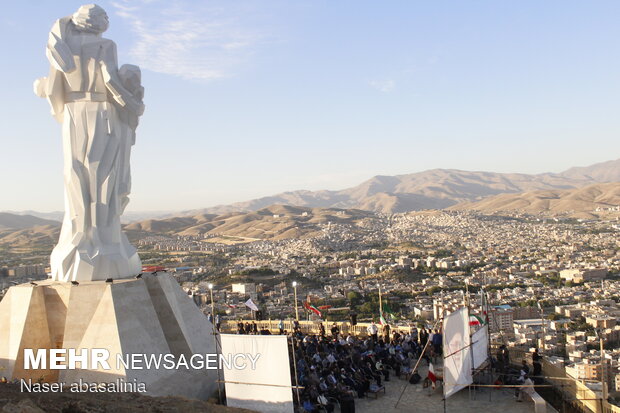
(551, 283)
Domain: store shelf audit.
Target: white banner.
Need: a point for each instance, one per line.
(250, 304)
(456, 352)
(272, 368)
(480, 346)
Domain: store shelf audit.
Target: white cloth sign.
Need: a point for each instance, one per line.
(268, 387)
(480, 346)
(250, 304)
(456, 352)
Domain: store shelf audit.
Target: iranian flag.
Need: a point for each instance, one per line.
(312, 308)
(474, 320)
(382, 320)
(431, 374)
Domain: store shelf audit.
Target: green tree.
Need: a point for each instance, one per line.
(354, 297)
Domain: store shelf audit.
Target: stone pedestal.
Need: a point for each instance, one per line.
(150, 315)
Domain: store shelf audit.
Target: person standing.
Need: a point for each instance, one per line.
(373, 331)
(423, 337)
(335, 330)
(437, 342)
(386, 333)
(537, 364)
(414, 334)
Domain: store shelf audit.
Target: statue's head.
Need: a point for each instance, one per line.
(91, 18)
(130, 76)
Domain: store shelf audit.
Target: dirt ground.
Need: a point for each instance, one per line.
(12, 400)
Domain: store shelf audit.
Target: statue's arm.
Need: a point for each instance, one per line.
(122, 96)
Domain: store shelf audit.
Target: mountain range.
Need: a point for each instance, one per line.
(432, 189)
(579, 191)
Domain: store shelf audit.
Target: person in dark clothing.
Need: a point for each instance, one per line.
(335, 330)
(525, 368)
(386, 333)
(395, 336)
(503, 363)
(537, 363)
(423, 337)
(437, 342)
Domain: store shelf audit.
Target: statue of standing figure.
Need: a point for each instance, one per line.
(98, 105)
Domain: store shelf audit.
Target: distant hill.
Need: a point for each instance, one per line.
(40, 236)
(274, 222)
(52, 216)
(433, 189)
(592, 201)
(601, 172)
(128, 216)
(15, 221)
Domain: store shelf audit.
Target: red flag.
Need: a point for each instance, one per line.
(312, 308)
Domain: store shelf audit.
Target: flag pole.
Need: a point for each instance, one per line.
(380, 305)
(415, 368)
(484, 304)
(296, 309)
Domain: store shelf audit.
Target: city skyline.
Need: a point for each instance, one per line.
(250, 100)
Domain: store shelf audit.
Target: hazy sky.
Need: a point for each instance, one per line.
(251, 98)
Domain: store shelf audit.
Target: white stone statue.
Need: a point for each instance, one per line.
(98, 106)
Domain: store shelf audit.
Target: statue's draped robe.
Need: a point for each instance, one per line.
(86, 95)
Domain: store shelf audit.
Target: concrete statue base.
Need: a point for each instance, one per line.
(145, 316)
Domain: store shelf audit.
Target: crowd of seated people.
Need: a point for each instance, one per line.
(337, 368)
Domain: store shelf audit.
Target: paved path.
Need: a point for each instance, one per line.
(417, 399)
